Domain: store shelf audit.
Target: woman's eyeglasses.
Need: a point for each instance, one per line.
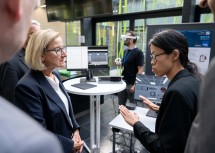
(153, 57)
(58, 50)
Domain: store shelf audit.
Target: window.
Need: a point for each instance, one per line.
(73, 34)
(129, 6)
(140, 28)
(109, 34)
(206, 18)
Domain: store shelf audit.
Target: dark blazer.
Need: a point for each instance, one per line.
(176, 114)
(36, 97)
(10, 73)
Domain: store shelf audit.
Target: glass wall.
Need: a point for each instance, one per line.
(129, 6)
(207, 18)
(109, 34)
(73, 33)
(140, 27)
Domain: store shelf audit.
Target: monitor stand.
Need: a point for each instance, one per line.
(89, 77)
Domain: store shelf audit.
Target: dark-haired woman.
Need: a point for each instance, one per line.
(169, 56)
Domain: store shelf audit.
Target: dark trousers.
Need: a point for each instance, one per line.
(126, 94)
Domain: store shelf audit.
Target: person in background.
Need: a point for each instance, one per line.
(18, 132)
(169, 56)
(201, 136)
(41, 94)
(132, 64)
(14, 69)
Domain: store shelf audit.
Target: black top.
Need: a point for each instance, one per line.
(131, 60)
(10, 73)
(176, 114)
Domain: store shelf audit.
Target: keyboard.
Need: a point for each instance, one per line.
(83, 86)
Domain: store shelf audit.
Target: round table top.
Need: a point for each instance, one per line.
(100, 89)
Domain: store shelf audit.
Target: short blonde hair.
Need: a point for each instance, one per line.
(37, 45)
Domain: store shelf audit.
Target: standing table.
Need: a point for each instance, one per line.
(94, 93)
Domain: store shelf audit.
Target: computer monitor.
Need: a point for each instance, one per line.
(88, 59)
(77, 58)
(59, 10)
(98, 57)
(199, 37)
(92, 8)
(150, 86)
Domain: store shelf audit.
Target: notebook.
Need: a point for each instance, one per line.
(83, 85)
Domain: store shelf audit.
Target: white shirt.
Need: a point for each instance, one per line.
(55, 84)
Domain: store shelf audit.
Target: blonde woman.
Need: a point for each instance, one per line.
(40, 92)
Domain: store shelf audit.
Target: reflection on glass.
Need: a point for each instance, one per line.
(129, 6)
(88, 8)
(109, 34)
(140, 28)
(73, 33)
(206, 18)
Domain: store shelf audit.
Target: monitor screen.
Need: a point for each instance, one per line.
(90, 8)
(151, 87)
(98, 57)
(59, 10)
(199, 37)
(87, 57)
(77, 58)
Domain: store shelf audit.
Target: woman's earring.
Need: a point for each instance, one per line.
(42, 63)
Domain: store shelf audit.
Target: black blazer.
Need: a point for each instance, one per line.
(10, 73)
(176, 114)
(36, 96)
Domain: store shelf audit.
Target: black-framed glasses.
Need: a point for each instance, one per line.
(153, 57)
(57, 50)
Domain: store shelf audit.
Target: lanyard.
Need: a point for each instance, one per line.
(127, 55)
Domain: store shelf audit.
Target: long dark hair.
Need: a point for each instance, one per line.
(169, 40)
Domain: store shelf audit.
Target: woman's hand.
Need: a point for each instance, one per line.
(149, 104)
(130, 117)
(132, 89)
(76, 136)
(78, 143)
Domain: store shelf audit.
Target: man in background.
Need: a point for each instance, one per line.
(201, 137)
(132, 64)
(14, 69)
(18, 132)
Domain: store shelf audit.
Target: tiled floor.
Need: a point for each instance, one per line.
(108, 113)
